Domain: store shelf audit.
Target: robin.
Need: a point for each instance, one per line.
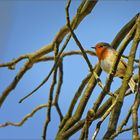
(105, 54)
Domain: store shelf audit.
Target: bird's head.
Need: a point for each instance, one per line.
(101, 49)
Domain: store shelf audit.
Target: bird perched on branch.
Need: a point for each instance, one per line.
(106, 56)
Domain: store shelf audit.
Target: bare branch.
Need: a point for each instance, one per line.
(116, 112)
(102, 119)
(136, 102)
(75, 37)
(124, 31)
(48, 116)
(60, 82)
(25, 118)
(124, 122)
(50, 99)
(11, 64)
(124, 130)
(13, 84)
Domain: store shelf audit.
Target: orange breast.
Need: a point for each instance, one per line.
(102, 53)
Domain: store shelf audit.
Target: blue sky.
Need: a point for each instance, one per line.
(25, 27)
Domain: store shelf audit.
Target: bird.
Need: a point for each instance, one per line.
(106, 56)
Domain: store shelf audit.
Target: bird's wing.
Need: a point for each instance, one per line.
(122, 62)
(121, 69)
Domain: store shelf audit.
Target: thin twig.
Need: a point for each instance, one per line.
(101, 85)
(48, 116)
(124, 31)
(60, 82)
(127, 129)
(136, 104)
(102, 119)
(25, 118)
(123, 123)
(15, 81)
(135, 116)
(75, 37)
(11, 64)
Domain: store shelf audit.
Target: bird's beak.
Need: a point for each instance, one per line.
(93, 47)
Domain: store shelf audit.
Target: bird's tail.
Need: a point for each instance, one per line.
(132, 85)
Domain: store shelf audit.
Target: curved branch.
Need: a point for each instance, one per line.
(124, 31)
(25, 118)
(13, 84)
(11, 64)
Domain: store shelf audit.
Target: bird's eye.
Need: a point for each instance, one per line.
(100, 46)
